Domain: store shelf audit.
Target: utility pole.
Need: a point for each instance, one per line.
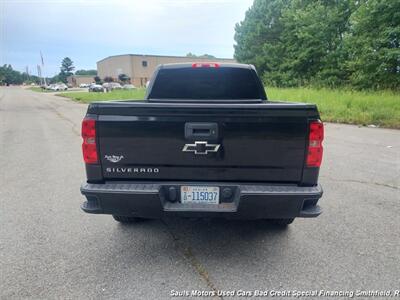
(27, 72)
(44, 78)
(39, 72)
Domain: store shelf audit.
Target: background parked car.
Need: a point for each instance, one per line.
(84, 85)
(116, 86)
(57, 87)
(109, 86)
(60, 87)
(129, 87)
(96, 88)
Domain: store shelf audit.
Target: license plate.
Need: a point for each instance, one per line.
(200, 194)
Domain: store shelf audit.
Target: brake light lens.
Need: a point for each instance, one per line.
(205, 65)
(89, 148)
(315, 149)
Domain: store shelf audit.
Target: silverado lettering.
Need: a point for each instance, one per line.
(132, 170)
(225, 150)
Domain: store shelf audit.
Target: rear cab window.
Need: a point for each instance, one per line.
(207, 83)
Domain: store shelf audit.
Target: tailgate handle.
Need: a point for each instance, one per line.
(207, 131)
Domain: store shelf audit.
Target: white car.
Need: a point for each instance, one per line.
(96, 88)
(109, 86)
(129, 87)
(84, 85)
(116, 86)
(58, 87)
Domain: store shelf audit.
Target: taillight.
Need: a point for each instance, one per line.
(315, 138)
(205, 65)
(89, 147)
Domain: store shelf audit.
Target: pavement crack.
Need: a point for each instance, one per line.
(362, 182)
(194, 262)
(63, 117)
(73, 128)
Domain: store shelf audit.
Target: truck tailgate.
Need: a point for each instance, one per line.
(251, 142)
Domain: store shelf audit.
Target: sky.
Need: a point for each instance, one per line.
(90, 30)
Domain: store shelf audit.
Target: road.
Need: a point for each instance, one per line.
(50, 249)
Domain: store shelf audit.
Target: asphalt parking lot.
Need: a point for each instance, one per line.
(50, 249)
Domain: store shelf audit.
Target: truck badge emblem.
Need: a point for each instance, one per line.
(201, 148)
(114, 158)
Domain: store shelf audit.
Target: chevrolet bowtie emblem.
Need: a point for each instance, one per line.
(201, 148)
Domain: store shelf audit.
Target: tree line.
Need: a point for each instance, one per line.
(330, 43)
(10, 76)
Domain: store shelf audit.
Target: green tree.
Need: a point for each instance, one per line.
(259, 36)
(56, 79)
(190, 54)
(108, 79)
(374, 45)
(97, 79)
(296, 42)
(29, 78)
(322, 42)
(67, 66)
(10, 76)
(86, 72)
(313, 50)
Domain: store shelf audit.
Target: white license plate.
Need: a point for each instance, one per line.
(200, 194)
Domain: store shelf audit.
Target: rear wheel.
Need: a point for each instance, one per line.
(282, 222)
(127, 220)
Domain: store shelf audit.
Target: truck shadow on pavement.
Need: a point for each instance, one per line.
(183, 248)
(220, 238)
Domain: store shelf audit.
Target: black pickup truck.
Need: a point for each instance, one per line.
(205, 142)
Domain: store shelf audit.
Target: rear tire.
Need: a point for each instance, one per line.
(282, 222)
(127, 220)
